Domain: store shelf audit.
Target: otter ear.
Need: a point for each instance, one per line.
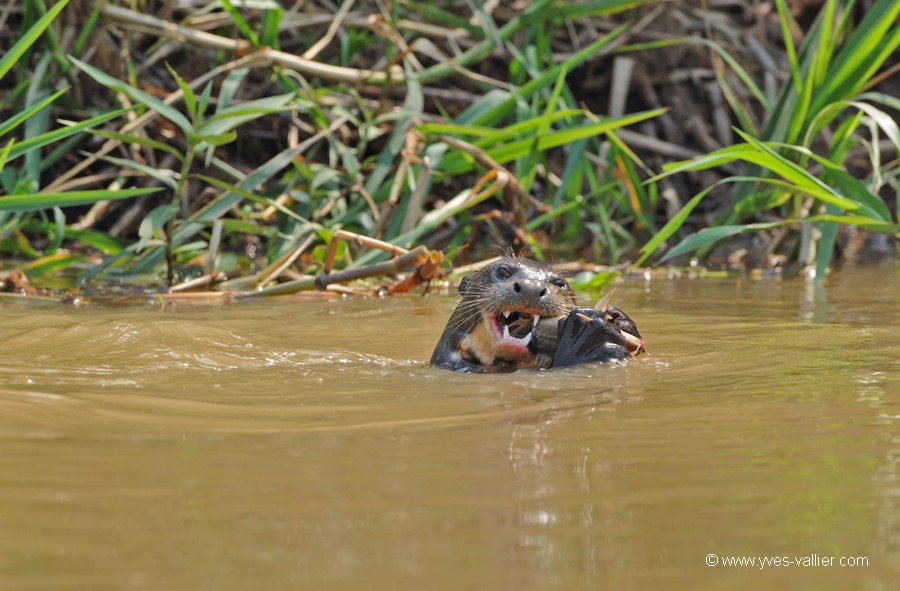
(464, 285)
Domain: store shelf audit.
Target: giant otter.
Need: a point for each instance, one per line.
(517, 313)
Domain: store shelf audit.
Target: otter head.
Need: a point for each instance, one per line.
(501, 304)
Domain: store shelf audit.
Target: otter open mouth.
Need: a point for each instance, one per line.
(513, 333)
(517, 325)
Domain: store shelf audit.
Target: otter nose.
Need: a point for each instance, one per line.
(529, 289)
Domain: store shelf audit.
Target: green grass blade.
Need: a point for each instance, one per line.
(785, 21)
(731, 97)
(58, 232)
(456, 163)
(573, 10)
(503, 108)
(87, 30)
(46, 266)
(188, 96)
(574, 160)
(827, 195)
(236, 115)
(16, 119)
(100, 241)
(844, 137)
(165, 176)
(115, 259)
(37, 124)
(4, 153)
(460, 130)
(250, 196)
(271, 21)
(544, 123)
(38, 201)
(63, 132)
(863, 222)
(712, 160)
(480, 113)
(532, 124)
(881, 98)
(140, 140)
(137, 95)
(875, 39)
(711, 235)
(29, 37)
(153, 221)
(824, 54)
(229, 88)
(672, 226)
(860, 199)
(887, 123)
(851, 187)
(800, 177)
(241, 23)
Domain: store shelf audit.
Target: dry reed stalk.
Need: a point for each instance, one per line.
(202, 281)
(415, 256)
(283, 263)
(150, 24)
(371, 242)
(500, 172)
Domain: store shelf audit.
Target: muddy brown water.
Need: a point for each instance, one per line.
(307, 445)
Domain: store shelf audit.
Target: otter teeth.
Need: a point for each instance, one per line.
(524, 340)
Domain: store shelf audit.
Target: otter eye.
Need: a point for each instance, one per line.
(504, 272)
(558, 282)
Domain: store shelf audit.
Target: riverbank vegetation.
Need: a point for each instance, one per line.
(262, 147)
